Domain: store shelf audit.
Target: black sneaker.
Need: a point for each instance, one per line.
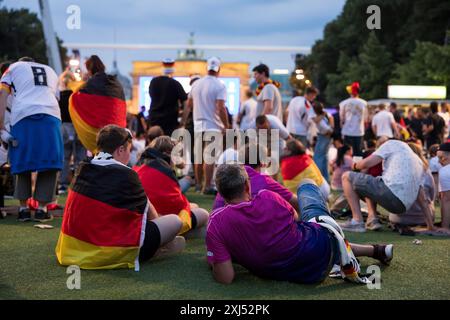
(42, 216)
(24, 215)
(383, 253)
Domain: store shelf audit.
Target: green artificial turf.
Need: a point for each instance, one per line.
(28, 270)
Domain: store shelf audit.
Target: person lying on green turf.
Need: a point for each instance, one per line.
(108, 221)
(261, 234)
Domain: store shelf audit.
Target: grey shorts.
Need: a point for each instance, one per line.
(367, 186)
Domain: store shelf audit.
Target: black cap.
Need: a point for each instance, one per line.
(445, 147)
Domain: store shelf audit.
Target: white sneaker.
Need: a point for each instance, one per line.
(353, 226)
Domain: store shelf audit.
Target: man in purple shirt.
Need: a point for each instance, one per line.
(259, 181)
(262, 234)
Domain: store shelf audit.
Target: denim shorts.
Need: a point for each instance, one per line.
(367, 186)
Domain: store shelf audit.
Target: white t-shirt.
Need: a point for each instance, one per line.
(402, 171)
(270, 92)
(298, 117)
(33, 89)
(353, 111)
(435, 166)
(383, 120)
(249, 113)
(205, 93)
(444, 179)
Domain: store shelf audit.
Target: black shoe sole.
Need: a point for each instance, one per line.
(44, 219)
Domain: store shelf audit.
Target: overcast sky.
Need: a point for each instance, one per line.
(232, 22)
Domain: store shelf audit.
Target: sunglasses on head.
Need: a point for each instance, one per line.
(128, 138)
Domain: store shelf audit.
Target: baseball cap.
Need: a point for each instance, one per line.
(214, 64)
(445, 147)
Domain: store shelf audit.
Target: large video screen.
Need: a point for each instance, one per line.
(232, 84)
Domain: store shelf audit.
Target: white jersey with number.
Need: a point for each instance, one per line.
(33, 87)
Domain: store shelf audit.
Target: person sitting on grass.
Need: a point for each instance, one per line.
(414, 216)
(108, 221)
(162, 187)
(340, 165)
(261, 233)
(258, 181)
(396, 190)
(297, 165)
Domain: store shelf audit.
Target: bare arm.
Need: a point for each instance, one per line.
(374, 129)
(268, 107)
(367, 163)
(223, 272)
(221, 109)
(395, 129)
(187, 109)
(424, 205)
(3, 102)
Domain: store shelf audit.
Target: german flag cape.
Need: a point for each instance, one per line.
(296, 168)
(104, 218)
(162, 188)
(101, 101)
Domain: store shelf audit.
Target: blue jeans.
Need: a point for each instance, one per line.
(311, 202)
(72, 148)
(321, 155)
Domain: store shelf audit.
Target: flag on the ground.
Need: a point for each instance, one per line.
(104, 218)
(294, 169)
(100, 102)
(162, 188)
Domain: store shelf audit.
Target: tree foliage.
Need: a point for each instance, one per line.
(347, 44)
(21, 34)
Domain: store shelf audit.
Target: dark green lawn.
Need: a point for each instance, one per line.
(28, 270)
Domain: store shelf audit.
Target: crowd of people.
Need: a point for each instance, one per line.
(126, 176)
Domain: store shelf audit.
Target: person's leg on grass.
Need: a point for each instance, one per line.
(209, 172)
(372, 222)
(383, 253)
(68, 151)
(199, 220)
(22, 192)
(45, 193)
(169, 226)
(356, 224)
(311, 201)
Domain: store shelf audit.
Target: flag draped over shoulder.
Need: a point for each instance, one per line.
(296, 168)
(162, 188)
(104, 218)
(100, 102)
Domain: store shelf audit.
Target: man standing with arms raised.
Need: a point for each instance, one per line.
(352, 113)
(208, 97)
(267, 94)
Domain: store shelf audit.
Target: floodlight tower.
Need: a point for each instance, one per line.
(53, 55)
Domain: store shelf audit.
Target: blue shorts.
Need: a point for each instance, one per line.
(40, 145)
